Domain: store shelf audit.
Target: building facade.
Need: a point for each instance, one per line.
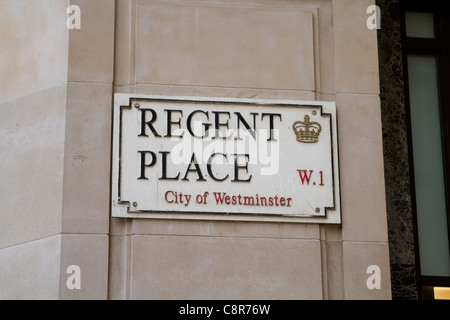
(62, 64)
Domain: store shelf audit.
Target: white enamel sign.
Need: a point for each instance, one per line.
(224, 159)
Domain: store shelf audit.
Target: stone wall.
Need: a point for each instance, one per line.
(395, 142)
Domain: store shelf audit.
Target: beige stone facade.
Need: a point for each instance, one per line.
(56, 97)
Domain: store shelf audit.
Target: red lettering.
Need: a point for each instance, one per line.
(276, 201)
(222, 198)
(304, 176)
(165, 196)
(219, 197)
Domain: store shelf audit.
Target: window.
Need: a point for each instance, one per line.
(426, 56)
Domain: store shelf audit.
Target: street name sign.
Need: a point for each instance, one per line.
(225, 159)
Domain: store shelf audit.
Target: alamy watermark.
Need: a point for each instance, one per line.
(74, 280)
(74, 20)
(223, 147)
(374, 280)
(374, 20)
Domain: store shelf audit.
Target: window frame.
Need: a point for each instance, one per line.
(439, 48)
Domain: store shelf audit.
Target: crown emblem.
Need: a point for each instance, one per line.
(307, 131)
